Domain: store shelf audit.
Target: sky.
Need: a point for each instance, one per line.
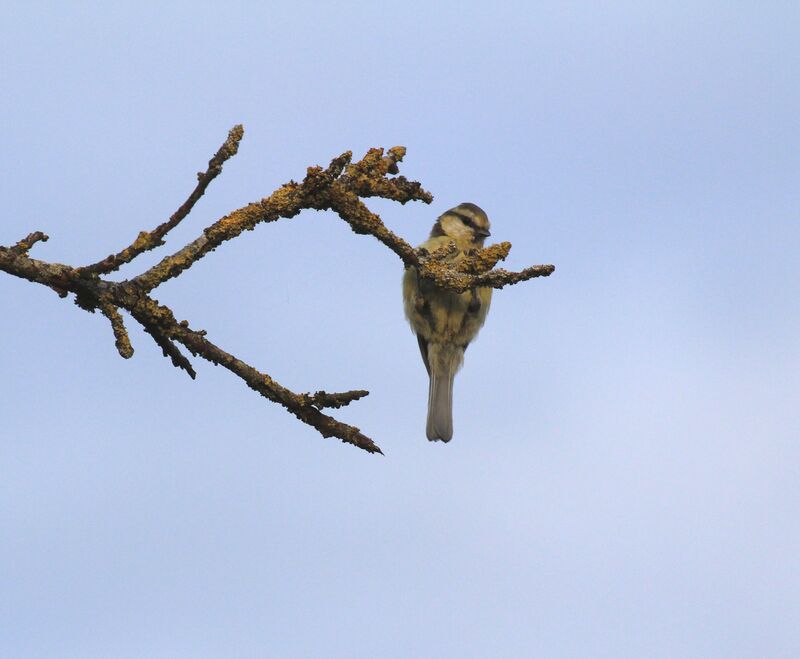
(624, 479)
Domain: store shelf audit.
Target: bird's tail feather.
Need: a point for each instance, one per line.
(440, 406)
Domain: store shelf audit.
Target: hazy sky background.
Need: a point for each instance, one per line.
(624, 479)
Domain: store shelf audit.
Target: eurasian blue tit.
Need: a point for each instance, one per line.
(446, 322)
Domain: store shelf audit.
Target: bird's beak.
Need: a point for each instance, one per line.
(483, 233)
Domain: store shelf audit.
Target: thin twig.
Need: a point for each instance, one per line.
(179, 360)
(146, 241)
(122, 340)
(297, 404)
(323, 399)
(499, 278)
(24, 245)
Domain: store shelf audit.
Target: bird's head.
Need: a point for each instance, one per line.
(466, 224)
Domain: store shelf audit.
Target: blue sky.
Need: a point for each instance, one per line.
(623, 480)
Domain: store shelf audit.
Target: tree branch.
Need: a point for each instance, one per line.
(24, 245)
(122, 340)
(146, 241)
(340, 187)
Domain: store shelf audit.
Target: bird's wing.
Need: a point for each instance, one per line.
(423, 348)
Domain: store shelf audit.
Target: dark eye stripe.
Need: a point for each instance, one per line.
(466, 219)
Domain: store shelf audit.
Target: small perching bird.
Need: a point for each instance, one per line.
(446, 322)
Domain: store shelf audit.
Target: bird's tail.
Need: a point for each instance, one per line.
(440, 404)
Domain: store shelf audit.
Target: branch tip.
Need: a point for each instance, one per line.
(395, 156)
(323, 399)
(122, 340)
(24, 245)
(169, 349)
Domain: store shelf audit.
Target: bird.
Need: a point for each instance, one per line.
(446, 322)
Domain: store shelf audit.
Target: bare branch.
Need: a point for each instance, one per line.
(353, 211)
(122, 340)
(55, 275)
(146, 241)
(24, 245)
(340, 187)
(337, 187)
(170, 350)
(475, 269)
(323, 399)
(297, 404)
(500, 278)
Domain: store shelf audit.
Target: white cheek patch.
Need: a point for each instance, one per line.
(455, 228)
